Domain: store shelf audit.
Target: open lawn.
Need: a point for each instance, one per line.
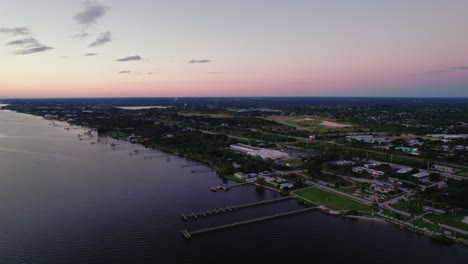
(412, 207)
(451, 220)
(331, 200)
(312, 123)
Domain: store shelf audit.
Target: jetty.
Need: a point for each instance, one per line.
(195, 164)
(227, 209)
(188, 234)
(200, 171)
(225, 187)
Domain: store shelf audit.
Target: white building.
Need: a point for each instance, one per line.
(260, 152)
(422, 176)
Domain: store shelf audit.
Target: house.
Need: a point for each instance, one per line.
(422, 176)
(359, 169)
(382, 187)
(403, 170)
(240, 175)
(370, 139)
(286, 185)
(375, 173)
(443, 168)
(372, 165)
(412, 151)
(343, 162)
(395, 181)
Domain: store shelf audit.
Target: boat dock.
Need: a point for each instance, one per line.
(226, 187)
(227, 209)
(196, 164)
(188, 234)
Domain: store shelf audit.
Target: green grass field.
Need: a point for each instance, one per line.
(412, 207)
(331, 200)
(310, 123)
(451, 220)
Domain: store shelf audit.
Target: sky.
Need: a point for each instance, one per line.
(123, 48)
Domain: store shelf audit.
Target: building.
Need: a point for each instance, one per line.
(286, 185)
(263, 153)
(359, 169)
(435, 210)
(372, 165)
(443, 168)
(395, 181)
(375, 173)
(240, 175)
(382, 187)
(403, 170)
(422, 176)
(448, 136)
(370, 139)
(412, 151)
(343, 162)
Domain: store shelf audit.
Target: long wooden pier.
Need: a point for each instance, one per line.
(227, 209)
(188, 234)
(226, 187)
(196, 164)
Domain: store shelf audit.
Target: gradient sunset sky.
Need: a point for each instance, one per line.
(67, 48)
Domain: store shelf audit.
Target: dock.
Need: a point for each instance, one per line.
(227, 209)
(226, 187)
(196, 164)
(188, 235)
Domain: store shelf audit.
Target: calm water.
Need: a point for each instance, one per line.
(65, 200)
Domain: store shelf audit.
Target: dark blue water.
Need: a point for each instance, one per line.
(65, 200)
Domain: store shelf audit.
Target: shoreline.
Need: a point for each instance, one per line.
(324, 210)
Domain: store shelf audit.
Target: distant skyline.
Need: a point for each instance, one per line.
(151, 48)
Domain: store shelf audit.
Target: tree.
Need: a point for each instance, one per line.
(314, 168)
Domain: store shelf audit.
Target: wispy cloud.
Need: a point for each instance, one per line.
(446, 70)
(15, 30)
(33, 50)
(28, 46)
(26, 42)
(432, 72)
(131, 58)
(90, 54)
(460, 68)
(124, 72)
(149, 73)
(83, 34)
(103, 38)
(90, 14)
(199, 61)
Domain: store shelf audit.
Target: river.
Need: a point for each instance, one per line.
(66, 198)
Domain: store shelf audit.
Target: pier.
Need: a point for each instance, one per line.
(226, 187)
(200, 171)
(196, 164)
(227, 209)
(188, 234)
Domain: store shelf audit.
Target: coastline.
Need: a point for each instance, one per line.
(215, 169)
